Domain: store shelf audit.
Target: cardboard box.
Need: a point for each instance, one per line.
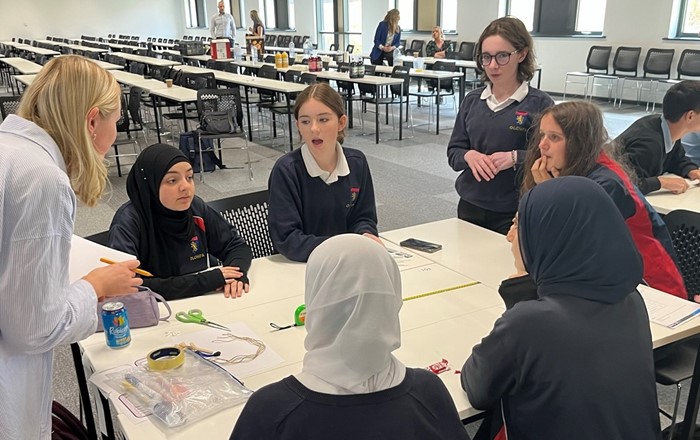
(258, 42)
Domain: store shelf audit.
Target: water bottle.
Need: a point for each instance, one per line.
(237, 52)
(398, 58)
(307, 48)
(291, 50)
(254, 53)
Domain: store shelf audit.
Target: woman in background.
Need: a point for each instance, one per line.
(386, 38)
(51, 152)
(490, 135)
(351, 386)
(178, 237)
(438, 46)
(257, 28)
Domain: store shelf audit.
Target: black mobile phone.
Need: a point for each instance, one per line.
(420, 245)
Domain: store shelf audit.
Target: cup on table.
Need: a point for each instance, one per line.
(169, 82)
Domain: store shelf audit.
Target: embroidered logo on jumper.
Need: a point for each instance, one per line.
(521, 119)
(194, 244)
(354, 192)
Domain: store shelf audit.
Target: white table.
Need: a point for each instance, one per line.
(146, 60)
(445, 325)
(665, 201)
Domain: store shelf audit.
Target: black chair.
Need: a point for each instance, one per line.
(657, 67)
(8, 105)
(688, 68)
(625, 65)
(395, 97)
(466, 50)
(217, 101)
(130, 122)
(416, 48)
(350, 48)
(248, 213)
(297, 40)
(679, 363)
(596, 62)
(333, 47)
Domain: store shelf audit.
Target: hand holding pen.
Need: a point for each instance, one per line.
(115, 279)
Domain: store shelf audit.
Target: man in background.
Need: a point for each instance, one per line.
(222, 25)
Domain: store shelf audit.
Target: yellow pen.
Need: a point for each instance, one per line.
(138, 271)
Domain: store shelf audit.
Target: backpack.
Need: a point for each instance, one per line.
(189, 145)
(64, 425)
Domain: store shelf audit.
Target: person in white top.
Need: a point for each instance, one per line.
(51, 151)
(222, 24)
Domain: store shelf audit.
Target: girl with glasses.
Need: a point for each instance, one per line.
(489, 139)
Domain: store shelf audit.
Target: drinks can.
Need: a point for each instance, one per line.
(116, 325)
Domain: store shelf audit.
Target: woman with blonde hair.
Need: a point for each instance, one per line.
(438, 46)
(387, 37)
(257, 28)
(51, 152)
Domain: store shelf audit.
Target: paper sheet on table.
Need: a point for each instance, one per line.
(267, 360)
(668, 310)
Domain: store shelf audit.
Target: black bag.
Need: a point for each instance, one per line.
(64, 425)
(217, 123)
(189, 145)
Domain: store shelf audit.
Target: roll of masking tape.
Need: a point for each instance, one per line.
(300, 315)
(165, 358)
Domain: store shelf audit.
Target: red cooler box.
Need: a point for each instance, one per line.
(220, 49)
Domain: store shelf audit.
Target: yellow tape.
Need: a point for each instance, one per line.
(435, 292)
(165, 358)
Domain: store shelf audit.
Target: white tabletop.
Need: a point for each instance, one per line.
(665, 201)
(435, 325)
(23, 66)
(25, 79)
(246, 80)
(146, 60)
(176, 93)
(367, 79)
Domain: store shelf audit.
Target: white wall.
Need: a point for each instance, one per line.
(37, 19)
(627, 22)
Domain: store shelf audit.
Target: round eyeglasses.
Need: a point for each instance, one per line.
(502, 58)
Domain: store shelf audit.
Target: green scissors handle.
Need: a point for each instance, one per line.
(194, 316)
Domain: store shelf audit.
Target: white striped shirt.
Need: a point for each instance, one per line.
(39, 309)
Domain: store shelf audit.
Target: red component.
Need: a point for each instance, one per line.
(439, 367)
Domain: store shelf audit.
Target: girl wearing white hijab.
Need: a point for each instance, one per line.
(351, 386)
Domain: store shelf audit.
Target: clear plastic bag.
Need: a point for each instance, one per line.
(185, 394)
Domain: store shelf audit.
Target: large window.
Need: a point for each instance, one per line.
(277, 14)
(689, 19)
(195, 15)
(422, 15)
(340, 24)
(560, 17)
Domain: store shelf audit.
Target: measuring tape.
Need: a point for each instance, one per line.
(435, 292)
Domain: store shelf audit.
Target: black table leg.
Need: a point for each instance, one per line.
(247, 110)
(156, 114)
(401, 112)
(289, 122)
(376, 114)
(437, 106)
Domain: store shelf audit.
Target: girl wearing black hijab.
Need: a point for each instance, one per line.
(576, 362)
(175, 235)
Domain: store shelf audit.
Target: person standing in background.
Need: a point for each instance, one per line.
(257, 27)
(387, 37)
(490, 135)
(223, 25)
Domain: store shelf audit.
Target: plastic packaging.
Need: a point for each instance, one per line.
(398, 57)
(291, 50)
(285, 59)
(254, 53)
(237, 52)
(185, 394)
(307, 47)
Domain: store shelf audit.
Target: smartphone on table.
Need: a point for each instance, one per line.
(420, 245)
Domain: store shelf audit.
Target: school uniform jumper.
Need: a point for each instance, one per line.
(304, 211)
(214, 237)
(643, 144)
(420, 408)
(478, 128)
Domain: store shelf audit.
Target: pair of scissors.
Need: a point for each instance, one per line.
(195, 316)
